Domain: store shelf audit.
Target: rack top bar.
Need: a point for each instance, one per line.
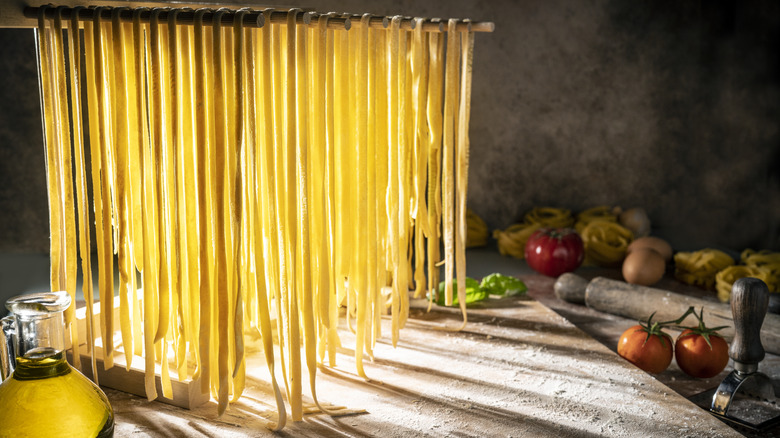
(23, 14)
(12, 12)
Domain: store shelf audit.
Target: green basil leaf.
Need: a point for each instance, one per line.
(473, 292)
(502, 285)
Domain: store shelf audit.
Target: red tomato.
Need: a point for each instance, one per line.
(699, 359)
(554, 251)
(651, 353)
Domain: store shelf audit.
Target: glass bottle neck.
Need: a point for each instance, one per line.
(35, 330)
(39, 335)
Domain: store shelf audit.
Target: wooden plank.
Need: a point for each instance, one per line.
(186, 392)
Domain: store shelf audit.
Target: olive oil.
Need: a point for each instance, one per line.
(44, 396)
(47, 397)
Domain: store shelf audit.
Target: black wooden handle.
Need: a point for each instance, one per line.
(749, 302)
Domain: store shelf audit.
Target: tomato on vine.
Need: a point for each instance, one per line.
(647, 346)
(700, 351)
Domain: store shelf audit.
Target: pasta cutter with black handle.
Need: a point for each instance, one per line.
(746, 397)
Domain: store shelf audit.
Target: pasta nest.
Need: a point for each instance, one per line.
(725, 278)
(700, 267)
(602, 212)
(550, 217)
(606, 242)
(512, 240)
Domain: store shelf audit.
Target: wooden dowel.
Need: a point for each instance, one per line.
(255, 18)
(482, 26)
(310, 19)
(185, 16)
(433, 25)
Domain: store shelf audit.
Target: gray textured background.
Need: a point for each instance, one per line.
(668, 105)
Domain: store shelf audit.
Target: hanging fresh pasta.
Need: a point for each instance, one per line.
(253, 171)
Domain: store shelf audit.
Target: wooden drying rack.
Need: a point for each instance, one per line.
(24, 14)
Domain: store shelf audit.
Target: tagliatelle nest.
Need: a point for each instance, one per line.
(602, 212)
(550, 217)
(605, 242)
(512, 241)
(700, 267)
(724, 279)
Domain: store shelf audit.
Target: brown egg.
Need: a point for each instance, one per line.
(659, 245)
(643, 266)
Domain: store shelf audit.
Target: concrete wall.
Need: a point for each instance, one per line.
(24, 220)
(668, 105)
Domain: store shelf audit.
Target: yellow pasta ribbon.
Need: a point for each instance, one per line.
(85, 248)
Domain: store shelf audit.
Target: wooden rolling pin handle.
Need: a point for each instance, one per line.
(749, 303)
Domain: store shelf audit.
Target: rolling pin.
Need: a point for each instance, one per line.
(639, 302)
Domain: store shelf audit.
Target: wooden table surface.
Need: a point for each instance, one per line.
(607, 328)
(518, 369)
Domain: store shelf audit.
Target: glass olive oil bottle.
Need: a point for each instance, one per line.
(44, 396)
